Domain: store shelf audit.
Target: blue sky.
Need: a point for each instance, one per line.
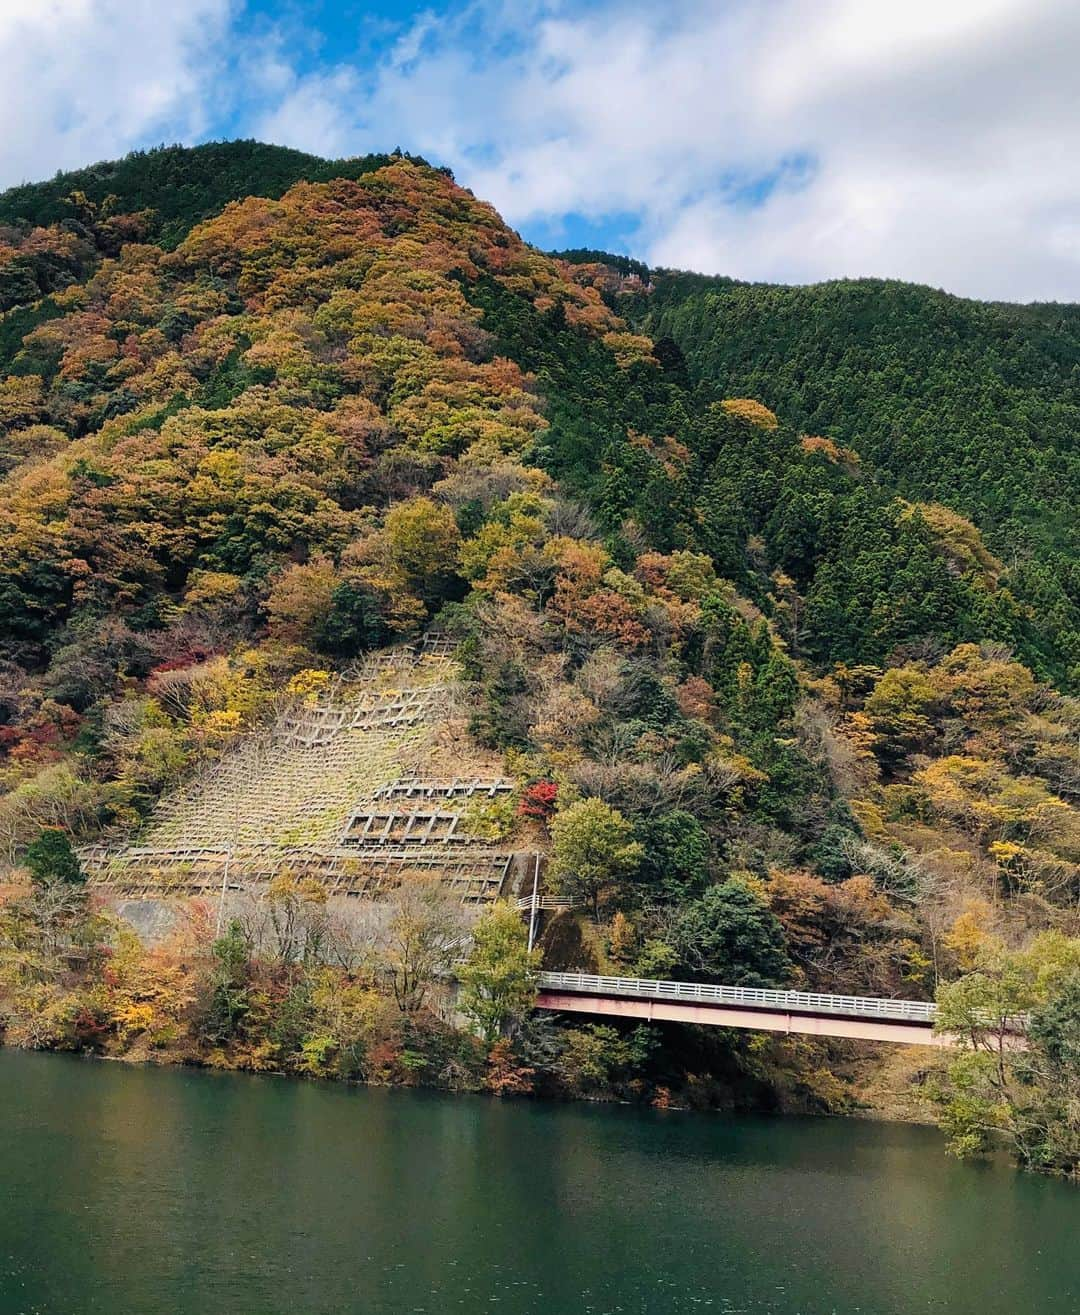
(326, 33)
(323, 35)
(787, 140)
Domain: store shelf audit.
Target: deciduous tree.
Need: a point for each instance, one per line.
(498, 979)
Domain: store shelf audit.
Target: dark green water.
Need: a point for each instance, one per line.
(163, 1192)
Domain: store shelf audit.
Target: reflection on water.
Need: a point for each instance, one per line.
(163, 1192)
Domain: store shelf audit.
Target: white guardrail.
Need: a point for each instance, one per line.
(794, 1002)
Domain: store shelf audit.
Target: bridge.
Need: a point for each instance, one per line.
(863, 1018)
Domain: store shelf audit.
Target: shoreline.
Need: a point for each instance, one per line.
(862, 1112)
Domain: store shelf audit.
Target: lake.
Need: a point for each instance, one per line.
(166, 1191)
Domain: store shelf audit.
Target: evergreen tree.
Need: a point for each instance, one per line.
(50, 857)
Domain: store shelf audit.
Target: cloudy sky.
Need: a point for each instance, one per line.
(793, 140)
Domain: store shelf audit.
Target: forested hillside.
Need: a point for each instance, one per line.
(53, 234)
(973, 405)
(774, 713)
(181, 184)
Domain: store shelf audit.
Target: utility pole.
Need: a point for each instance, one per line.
(533, 906)
(221, 898)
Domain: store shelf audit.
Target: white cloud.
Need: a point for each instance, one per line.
(941, 133)
(86, 80)
(309, 115)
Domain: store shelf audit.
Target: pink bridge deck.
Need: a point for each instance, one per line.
(861, 1018)
(758, 1020)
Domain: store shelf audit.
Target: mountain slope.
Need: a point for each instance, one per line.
(181, 184)
(761, 712)
(969, 404)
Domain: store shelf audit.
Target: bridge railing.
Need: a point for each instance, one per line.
(545, 902)
(796, 1002)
